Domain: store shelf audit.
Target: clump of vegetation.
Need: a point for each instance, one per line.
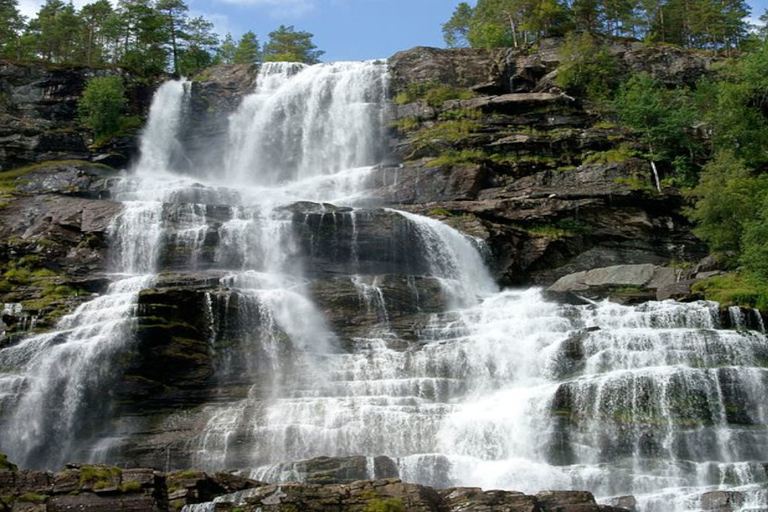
(587, 68)
(612, 156)
(5, 464)
(407, 124)
(32, 498)
(735, 289)
(385, 505)
(103, 105)
(439, 212)
(432, 93)
(99, 476)
(130, 486)
(464, 157)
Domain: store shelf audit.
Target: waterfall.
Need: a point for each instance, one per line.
(342, 330)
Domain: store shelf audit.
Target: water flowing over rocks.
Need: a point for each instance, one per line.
(296, 282)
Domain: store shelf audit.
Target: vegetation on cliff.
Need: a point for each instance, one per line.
(149, 37)
(706, 24)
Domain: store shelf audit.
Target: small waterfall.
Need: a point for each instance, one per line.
(160, 147)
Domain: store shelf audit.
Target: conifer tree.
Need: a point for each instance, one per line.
(286, 44)
(247, 51)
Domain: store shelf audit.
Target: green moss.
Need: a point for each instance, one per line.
(385, 505)
(636, 182)
(43, 272)
(433, 93)
(5, 464)
(130, 487)
(99, 476)
(19, 276)
(613, 156)
(734, 290)
(188, 473)
(33, 498)
(460, 113)
(9, 180)
(407, 124)
(464, 157)
(439, 212)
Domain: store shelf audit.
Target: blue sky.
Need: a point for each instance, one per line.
(345, 29)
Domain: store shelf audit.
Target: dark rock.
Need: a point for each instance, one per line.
(628, 503)
(567, 501)
(680, 291)
(476, 500)
(343, 470)
(721, 501)
(38, 115)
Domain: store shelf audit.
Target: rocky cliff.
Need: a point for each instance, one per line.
(481, 140)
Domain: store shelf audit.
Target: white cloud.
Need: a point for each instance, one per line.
(280, 8)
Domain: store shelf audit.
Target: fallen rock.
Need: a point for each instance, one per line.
(639, 281)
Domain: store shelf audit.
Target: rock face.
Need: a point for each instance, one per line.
(331, 487)
(38, 115)
(641, 281)
(54, 224)
(555, 191)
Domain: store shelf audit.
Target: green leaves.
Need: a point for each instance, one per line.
(287, 45)
(102, 105)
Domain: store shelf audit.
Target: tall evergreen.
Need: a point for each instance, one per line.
(247, 50)
(286, 44)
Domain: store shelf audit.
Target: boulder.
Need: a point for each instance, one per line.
(619, 280)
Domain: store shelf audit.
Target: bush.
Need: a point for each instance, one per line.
(102, 105)
(587, 68)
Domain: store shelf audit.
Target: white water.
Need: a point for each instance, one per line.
(502, 390)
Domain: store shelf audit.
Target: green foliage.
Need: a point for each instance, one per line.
(706, 24)
(32, 498)
(464, 157)
(287, 45)
(662, 118)
(612, 156)
(5, 464)
(725, 201)
(456, 30)
(735, 289)
(439, 212)
(407, 124)
(737, 106)
(102, 105)
(587, 68)
(433, 93)
(385, 505)
(247, 50)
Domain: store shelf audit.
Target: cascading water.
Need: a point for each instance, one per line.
(499, 389)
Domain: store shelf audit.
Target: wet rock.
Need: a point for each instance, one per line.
(635, 281)
(474, 499)
(680, 291)
(628, 503)
(344, 470)
(190, 487)
(722, 501)
(567, 501)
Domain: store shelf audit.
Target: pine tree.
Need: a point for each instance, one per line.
(247, 51)
(174, 13)
(456, 30)
(227, 50)
(285, 44)
(11, 25)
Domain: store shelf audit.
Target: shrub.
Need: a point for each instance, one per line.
(102, 105)
(587, 68)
